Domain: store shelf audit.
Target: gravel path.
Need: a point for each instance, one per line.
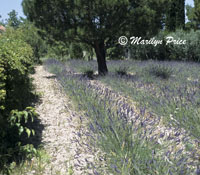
(62, 123)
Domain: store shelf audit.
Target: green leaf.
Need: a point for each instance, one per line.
(33, 132)
(28, 131)
(17, 124)
(21, 129)
(26, 116)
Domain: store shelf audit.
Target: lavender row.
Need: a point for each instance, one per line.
(127, 135)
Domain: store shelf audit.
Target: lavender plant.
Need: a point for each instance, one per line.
(122, 70)
(88, 72)
(160, 71)
(126, 145)
(177, 97)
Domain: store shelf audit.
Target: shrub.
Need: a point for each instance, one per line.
(88, 72)
(27, 33)
(122, 70)
(160, 71)
(58, 50)
(75, 51)
(146, 52)
(15, 63)
(115, 53)
(187, 52)
(31, 36)
(88, 52)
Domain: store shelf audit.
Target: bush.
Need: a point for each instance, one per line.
(31, 36)
(15, 62)
(58, 50)
(75, 51)
(146, 52)
(28, 34)
(88, 52)
(88, 72)
(115, 53)
(16, 59)
(187, 52)
(122, 70)
(160, 71)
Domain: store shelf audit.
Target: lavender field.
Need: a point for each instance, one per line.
(144, 116)
(177, 95)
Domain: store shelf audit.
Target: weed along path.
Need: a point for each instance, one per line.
(62, 127)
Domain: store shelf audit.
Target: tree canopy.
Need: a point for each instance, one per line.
(98, 23)
(197, 13)
(13, 19)
(175, 15)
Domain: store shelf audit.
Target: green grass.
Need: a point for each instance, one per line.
(35, 165)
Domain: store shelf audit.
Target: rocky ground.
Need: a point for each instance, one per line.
(62, 123)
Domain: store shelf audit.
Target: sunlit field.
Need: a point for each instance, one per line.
(166, 96)
(100, 87)
(169, 89)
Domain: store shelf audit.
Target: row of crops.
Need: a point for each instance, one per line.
(169, 89)
(15, 99)
(132, 140)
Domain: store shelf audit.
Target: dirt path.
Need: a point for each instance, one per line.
(62, 123)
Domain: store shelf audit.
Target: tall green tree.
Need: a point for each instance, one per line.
(197, 13)
(175, 15)
(30, 35)
(75, 51)
(13, 19)
(180, 14)
(94, 22)
(171, 16)
(1, 21)
(191, 24)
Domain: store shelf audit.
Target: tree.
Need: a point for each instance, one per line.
(88, 52)
(30, 35)
(180, 14)
(116, 52)
(58, 49)
(191, 24)
(13, 20)
(1, 21)
(197, 13)
(171, 16)
(193, 15)
(95, 22)
(76, 51)
(175, 16)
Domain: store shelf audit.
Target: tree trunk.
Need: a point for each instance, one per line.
(101, 57)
